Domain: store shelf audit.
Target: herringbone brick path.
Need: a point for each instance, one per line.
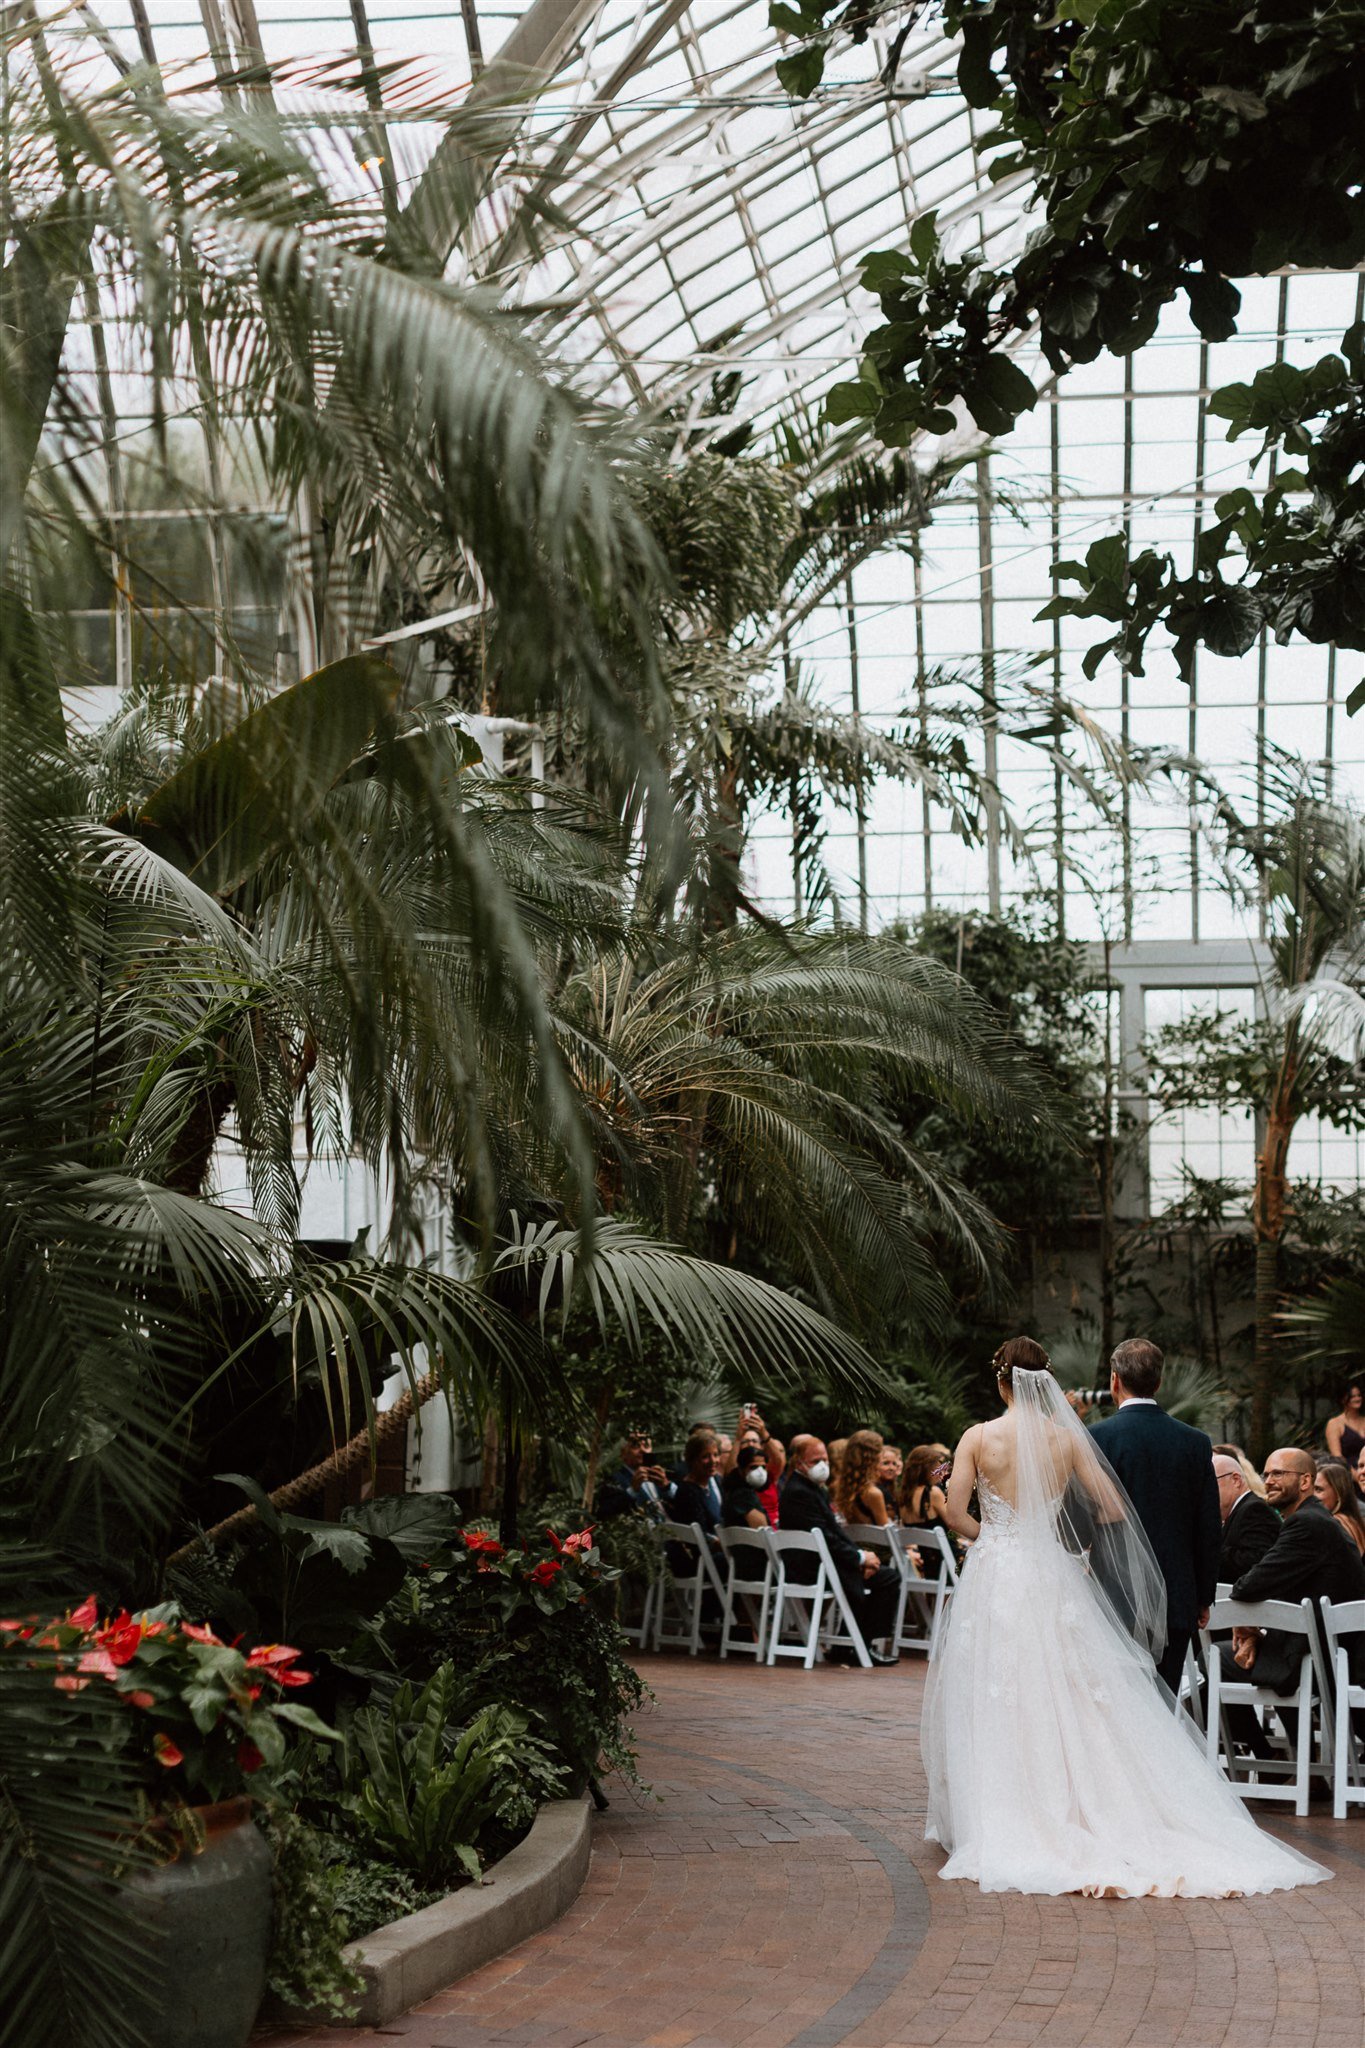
(776, 1892)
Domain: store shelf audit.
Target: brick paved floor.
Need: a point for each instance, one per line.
(776, 1893)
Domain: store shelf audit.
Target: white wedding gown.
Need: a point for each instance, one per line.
(1055, 1763)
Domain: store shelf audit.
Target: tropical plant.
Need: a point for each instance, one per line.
(423, 1791)
(1307, 865)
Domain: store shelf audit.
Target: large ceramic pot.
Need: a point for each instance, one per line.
(209, 1916)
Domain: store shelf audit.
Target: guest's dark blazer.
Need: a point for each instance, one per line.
(1248, 1533)
(1166, 1469)
(804, 1505)
(689, 1502)
(1310, 1556)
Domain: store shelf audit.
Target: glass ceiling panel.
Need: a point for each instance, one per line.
(716, 223)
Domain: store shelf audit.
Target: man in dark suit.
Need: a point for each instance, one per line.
(1166, 1469)
(1310, 1556)
(1250, 1525)
(872, 1588)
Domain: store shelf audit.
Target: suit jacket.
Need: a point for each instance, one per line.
(804, 1505)
(1166, 1469)
(1248, 1533)
(1311, 1556)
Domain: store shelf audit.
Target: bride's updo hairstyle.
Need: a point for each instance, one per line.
(1019, 1354)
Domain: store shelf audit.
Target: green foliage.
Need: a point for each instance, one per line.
(423, 1792)
(309, 1922)
(365, 1895)
(74, 1956)
(529, 1629)
(1168, 149)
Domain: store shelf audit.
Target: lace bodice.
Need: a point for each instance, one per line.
(997, 1514)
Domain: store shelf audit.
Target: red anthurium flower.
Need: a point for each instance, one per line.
(68, 1682)
(197, 1634)
(476, 1540)
(87, 1614)
(99, 1662)
(294, 1677)
(121, 1639)
(545, 1571)
(166, 1752)
(554, 1539)
(142, 1698)
(22, 1629)
(270, 1656)
(582, 1542)
(249, 1758)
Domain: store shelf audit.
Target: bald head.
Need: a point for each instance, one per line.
(1289, 1475)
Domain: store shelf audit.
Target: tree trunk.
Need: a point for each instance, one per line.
(595, 1450)
(511, 1480)
(1269, 1209)
(1107, 1195)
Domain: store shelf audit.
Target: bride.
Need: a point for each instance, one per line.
(1055, 1761)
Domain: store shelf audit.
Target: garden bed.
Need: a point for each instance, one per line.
(410, 1959)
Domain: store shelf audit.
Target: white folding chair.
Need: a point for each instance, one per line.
(1190, 1692)
(1286, 1775)
(929, 1596)
(810, 1600)
(752, 1588)
(1347, 1618)
(641, 1632)
(685, 1589)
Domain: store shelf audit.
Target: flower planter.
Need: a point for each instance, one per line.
(209, 1916)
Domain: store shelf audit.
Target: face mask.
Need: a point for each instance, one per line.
(819, 1472)
(757, 1475)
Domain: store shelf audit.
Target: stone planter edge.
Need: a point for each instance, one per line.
(413, 1958)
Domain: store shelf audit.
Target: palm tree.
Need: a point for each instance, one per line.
(1309, 860)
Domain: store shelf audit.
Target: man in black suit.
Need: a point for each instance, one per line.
(1166, 1469)
(1250, 1525)
(872, 1588)
(1310, 1556)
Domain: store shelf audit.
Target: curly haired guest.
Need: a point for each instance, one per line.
(855, 1494)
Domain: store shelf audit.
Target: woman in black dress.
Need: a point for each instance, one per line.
(1345, 1433)
(923, 1500)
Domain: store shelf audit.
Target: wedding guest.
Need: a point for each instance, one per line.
(923, 1500)
(1335, 1488)
(770, 1496)
(1249, 1472)
(696, 1496)
(1309, 1558)
(638, 1482)
(1250, 1525)
(836, 1459)
(854, 1492)
(1345, 1433)
(889, 1474)
(1360, 1475)
(741, 1507)
(872, 1588)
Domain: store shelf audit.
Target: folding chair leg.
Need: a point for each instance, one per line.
(1303, 1755)
(1341, 1755)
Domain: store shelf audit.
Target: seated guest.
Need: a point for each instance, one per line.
(1250, 1525)
(696, 1496)
(923, 1500)
(1360, 1475)
(638, 1482)
(695, 1430)
(854, 1492)
(1252, 1477)
(740, 1507)
(769, 1496)
(889, 1476)
(872, 1589)
(1335, 1488)
(1310, 1557)
(1345, 1433)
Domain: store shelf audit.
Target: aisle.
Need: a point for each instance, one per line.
(777, 1894)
